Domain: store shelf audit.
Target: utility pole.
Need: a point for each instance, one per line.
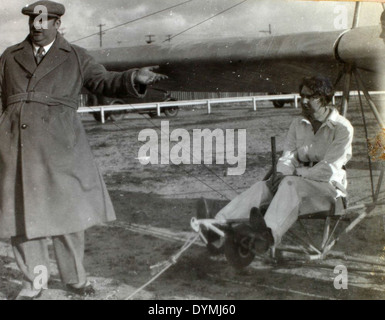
(149, 40)
(266, 31)
(101, 34)
(169, 37)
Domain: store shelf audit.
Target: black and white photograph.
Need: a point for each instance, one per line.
(205, 151)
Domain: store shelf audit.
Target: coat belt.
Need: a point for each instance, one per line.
(42, 97)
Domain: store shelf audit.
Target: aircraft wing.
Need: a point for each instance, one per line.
(268, 64)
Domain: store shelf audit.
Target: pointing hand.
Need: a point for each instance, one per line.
(146, 76)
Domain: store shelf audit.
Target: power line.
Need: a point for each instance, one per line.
(131, 21)
(206, 20)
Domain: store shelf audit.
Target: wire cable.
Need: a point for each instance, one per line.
(131, 21)
(166, 265)
(194, 26)
(366, 135)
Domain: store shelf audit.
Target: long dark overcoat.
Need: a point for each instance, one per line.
(49, 182)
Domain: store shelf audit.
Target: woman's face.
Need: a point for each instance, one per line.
(310, 102)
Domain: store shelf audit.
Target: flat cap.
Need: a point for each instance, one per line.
(54, 9)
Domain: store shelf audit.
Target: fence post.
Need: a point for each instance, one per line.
(334, 100)
(296, 101)
(254, 104)
(208, 107)
(158, 109)
(102, 115)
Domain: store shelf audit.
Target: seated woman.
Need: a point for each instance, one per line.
(310, 174)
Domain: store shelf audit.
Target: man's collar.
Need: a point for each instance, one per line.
(331, 119)
(46, 48)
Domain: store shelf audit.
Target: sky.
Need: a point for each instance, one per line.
(250, 18)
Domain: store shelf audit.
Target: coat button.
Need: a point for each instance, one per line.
(24, 126)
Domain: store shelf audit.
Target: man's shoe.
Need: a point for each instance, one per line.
(28, 295)
(264, 241)
(263, 236)
(257, 222)
(86, 291)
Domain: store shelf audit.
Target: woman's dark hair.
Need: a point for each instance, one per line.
(320, 86)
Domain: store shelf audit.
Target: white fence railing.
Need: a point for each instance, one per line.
(188, 103)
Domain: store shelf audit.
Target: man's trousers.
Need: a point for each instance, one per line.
(32, 255)
(295, 196)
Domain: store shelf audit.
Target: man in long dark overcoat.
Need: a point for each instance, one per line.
(50, 185)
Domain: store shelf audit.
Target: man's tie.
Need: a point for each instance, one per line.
(40, 54)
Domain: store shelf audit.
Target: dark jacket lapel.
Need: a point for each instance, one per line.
(24, 56)
(58, 53)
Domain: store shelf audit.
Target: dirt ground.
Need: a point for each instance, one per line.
(155, 203)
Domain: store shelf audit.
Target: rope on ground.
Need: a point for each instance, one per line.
(166, 264)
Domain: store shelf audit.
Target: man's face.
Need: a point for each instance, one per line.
(42, 37)
(310, 102)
